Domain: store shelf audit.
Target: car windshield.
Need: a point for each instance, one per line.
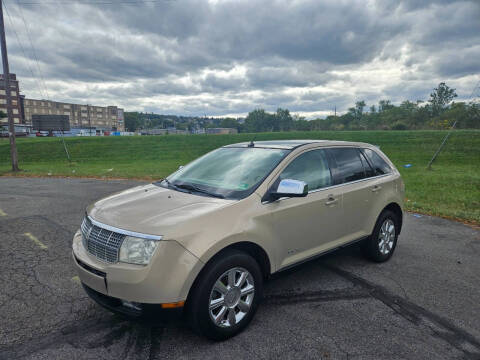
(229, 172)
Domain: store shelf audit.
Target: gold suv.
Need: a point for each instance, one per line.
(205, 238)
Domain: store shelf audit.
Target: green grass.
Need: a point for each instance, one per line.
(451, 189)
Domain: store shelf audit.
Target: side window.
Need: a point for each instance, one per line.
(349, 165)
(380, 166)
(311, 167)
(369, 171)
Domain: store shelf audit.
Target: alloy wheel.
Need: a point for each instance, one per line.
(386, 237)
(231, 297)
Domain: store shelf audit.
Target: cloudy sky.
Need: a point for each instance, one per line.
(227, 57)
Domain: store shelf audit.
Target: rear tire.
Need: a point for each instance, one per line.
(380, 245)
(226, 295)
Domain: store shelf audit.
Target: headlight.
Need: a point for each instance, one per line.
(136, 250)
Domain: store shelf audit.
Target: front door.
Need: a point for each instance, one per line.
(307, 226)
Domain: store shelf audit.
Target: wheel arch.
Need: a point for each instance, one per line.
(255, 251)
(397, 210)
(251, 248)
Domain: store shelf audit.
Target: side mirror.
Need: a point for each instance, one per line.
(289, 188)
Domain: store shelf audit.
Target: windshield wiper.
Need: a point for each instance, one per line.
(195, 188)
(170, 185)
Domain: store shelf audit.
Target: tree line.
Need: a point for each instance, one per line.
(439, 112)
(135, 120)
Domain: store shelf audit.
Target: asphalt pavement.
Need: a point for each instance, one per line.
(422, 304)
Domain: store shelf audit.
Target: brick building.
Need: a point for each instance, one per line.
(80, 116)
(16, 100)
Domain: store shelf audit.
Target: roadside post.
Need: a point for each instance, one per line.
(6, 77)
(65, 147)
(429, 166)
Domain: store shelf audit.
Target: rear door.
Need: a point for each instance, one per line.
(381, 182)
(306, 226)
(352, 176)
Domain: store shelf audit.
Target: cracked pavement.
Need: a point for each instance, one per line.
(422, 304)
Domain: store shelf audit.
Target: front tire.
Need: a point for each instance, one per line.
(225, 297)
(380, 245)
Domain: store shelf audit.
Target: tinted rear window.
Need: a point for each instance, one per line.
(369, 172)
(379, 165)
(349, 166)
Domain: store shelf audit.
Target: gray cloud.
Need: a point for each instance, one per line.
(221, 57)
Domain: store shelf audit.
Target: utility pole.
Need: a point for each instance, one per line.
(335, 110)
(6, 77)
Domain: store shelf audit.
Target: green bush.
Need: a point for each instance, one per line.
(399, 126)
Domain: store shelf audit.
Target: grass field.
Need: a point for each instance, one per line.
(451, 189)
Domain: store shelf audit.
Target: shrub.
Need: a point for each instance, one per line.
(399, 126)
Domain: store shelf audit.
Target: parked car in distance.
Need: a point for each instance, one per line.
(42, 133)
(204, 240)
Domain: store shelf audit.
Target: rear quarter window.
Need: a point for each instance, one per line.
(380, 166)
(369, 171)
(349, 166)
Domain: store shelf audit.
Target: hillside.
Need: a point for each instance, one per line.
(451, 189)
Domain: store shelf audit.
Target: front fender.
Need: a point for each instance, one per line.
(236, 239)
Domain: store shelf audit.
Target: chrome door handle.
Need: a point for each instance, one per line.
(331, 200)
(376, 188)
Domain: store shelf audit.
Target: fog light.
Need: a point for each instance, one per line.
(132, 305)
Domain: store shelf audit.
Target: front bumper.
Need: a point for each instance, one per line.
(150, 312)
(167, 279)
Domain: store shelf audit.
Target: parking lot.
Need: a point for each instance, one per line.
(422, 304)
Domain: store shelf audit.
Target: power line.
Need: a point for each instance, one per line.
(120, 2)
(21, 47)
(34, 52)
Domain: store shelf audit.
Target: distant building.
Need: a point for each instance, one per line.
(219, 131)
(154, 132)
(120, 120)
(163, 131)
(16, 100)
(105, 118)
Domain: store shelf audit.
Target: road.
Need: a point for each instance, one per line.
(422, 304)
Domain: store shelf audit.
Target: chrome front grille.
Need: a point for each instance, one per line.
(102, 243)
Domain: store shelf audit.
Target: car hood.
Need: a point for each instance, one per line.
(152, 209)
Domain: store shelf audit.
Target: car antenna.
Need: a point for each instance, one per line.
(251, 142)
